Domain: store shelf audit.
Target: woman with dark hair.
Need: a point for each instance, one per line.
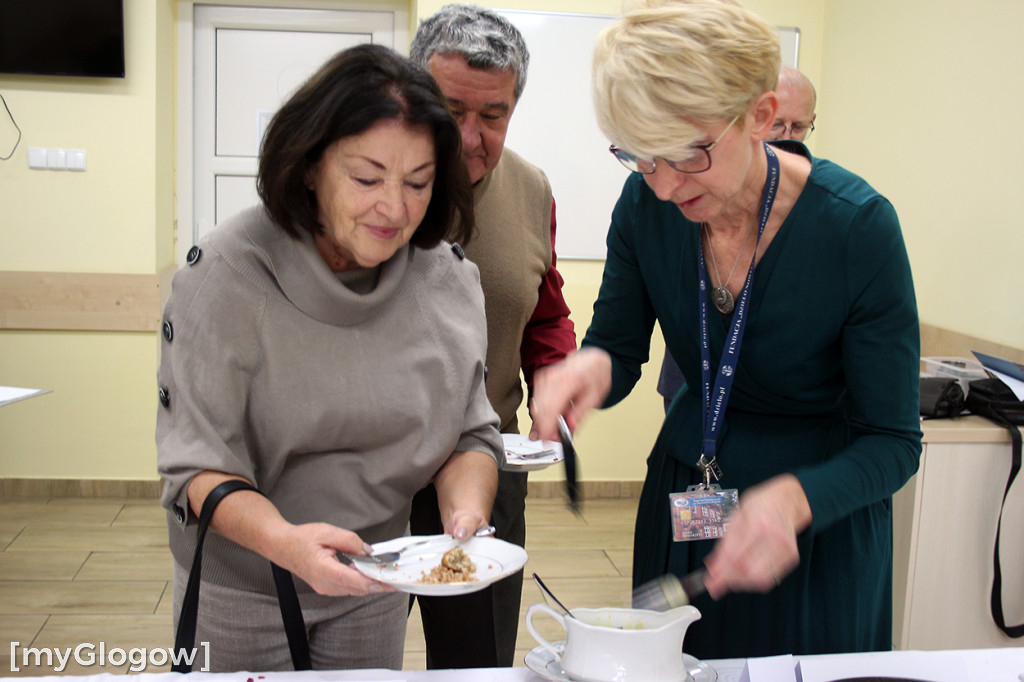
(328, 348)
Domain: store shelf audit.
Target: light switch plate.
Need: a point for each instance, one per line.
(76, 159)
(56, 159)
(36, 157)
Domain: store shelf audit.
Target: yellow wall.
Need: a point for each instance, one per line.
(925, 105)
(105, 219)
(116, 217)
(99, 420)
(917, 97)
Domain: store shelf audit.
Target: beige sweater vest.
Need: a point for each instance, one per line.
(512, 248)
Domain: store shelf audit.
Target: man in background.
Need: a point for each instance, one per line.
(480, 60)
(797, 98)
(794, 120)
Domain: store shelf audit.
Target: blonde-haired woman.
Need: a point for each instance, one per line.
(783, 289)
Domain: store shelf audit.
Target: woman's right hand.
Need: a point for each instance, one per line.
(570, 388)
(310, 552)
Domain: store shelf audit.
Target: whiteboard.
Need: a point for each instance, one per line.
(789, 45)
(554, 126)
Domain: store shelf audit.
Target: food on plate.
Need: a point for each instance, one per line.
(455, 567)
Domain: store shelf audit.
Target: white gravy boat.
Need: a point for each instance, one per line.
(619, 645)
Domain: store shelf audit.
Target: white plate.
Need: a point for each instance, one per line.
(544, 663)
(495, 559)
(523, 454)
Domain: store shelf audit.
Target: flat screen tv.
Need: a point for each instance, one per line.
(62, 37)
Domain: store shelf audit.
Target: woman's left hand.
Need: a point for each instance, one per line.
(466, 486)
(759, 548)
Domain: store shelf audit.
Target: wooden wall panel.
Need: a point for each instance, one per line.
(74, 301)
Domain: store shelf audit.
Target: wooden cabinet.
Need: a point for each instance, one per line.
(944, 534)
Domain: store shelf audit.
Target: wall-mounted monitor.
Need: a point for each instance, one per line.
(62, 37)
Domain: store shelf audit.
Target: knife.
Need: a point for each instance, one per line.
(669, 591)
(569, 451)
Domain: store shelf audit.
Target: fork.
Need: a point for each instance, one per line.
(390, 557)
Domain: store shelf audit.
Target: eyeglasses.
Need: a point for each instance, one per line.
(796, 130)
(697, 163)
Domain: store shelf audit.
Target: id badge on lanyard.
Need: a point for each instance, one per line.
(702, 512)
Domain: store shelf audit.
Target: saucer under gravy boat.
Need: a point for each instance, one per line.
(619, 645)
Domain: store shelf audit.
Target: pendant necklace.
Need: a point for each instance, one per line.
(717, 383)
(721, 297)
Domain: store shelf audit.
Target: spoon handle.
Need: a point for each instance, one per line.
(548, 592)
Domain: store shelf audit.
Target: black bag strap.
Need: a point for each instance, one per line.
(288, 599)
(997, 576)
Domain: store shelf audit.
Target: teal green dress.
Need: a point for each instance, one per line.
(826, 388)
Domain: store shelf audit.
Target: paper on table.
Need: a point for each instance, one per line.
(1016, 385)
(1006, 371)
(729, 669)
(930, 666)
(12, 394)
(770, 669)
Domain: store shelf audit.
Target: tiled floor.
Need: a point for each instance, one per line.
(92, 570)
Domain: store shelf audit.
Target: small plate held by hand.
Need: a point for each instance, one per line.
(523, 454)
(494, 559)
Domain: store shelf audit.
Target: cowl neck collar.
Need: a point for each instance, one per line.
(303, 277)
(317, 291)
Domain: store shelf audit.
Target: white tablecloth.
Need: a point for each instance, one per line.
(979, 665)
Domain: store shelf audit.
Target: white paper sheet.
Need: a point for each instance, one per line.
(931, 666)
(1016, 385)
(729, 669)
(12, 394)
(1002, 368)
(770, 669)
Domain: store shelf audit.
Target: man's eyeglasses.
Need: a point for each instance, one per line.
(697, 163)
(794, 131)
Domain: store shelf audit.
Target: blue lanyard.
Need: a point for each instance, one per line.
(715, 400)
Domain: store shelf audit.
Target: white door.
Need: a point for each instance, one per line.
(247, 61)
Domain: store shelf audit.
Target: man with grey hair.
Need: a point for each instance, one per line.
(480, 60)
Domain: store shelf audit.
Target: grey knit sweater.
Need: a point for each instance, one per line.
(338, 405)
